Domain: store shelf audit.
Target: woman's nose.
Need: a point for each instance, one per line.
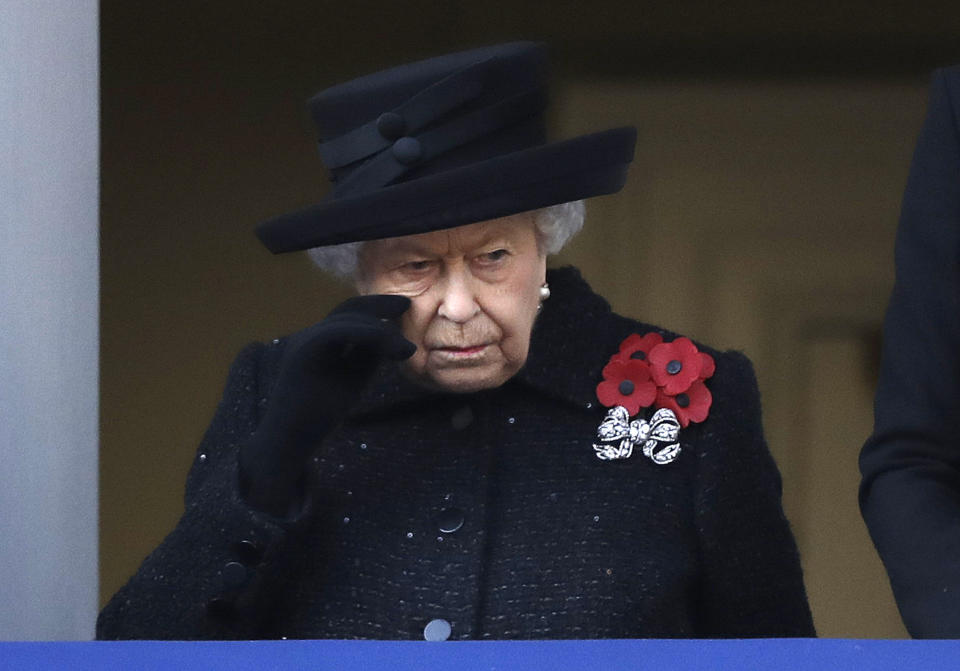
(458, 303)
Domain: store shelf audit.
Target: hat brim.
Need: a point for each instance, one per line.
(589, 165)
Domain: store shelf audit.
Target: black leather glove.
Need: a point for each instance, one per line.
(323, 370)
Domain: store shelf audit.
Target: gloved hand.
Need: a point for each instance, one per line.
(322, 372)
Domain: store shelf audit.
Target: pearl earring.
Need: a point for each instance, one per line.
(544, 292)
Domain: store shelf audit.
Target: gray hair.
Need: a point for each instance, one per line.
(555, 226)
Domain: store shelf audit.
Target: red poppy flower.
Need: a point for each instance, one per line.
(674, 366)
(637, 347)
(707, 366)
(692, 405)
(626, 382)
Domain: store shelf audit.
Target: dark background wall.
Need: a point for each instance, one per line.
(204, 134)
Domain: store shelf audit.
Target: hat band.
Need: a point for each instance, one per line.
(416, 113)
(406, 153)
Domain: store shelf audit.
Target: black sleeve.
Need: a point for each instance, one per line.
(201, 582)
(752, 581)
(910, 492)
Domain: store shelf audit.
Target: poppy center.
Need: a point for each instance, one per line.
(626, 387)
(639, 354)
(683, 400)
(674, 367)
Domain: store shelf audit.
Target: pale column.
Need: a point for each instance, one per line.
(48, 318)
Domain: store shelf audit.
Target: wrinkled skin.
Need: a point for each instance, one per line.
(474, 293)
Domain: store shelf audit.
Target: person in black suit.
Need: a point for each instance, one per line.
(910, 492)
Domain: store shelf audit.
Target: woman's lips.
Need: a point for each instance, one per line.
(455, 353)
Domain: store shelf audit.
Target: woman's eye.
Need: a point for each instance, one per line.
(494, 256)
(416, 266)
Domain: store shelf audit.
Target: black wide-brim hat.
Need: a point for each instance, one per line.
(445, 142)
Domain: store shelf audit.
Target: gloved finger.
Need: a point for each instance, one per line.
(357, 336)
(381, 306)
(373, 337)
(395, 346)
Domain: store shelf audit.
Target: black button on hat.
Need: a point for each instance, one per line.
(674, 367)
(626, 387)
(450, 520)
(390, 125)
(407, 150)
(437, 630)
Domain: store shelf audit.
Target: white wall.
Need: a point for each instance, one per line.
(48, 318)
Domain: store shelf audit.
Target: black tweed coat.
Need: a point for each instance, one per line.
(488, 510)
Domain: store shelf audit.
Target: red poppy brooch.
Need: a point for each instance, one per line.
(649, 373)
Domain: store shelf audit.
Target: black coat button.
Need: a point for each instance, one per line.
(674, 366)
(234, 574)
(450, 520)
(390, 125)
(407, 150)
(462, 418)
(437, 630)
(248, 552)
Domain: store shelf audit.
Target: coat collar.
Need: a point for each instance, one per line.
(572, 340)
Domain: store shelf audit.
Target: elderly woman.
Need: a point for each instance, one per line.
(473, 447)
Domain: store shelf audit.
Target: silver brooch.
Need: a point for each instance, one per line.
(619, 435)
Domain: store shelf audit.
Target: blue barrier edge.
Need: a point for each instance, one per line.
(608, 655)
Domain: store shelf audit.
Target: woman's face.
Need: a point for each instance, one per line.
(474, 293)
